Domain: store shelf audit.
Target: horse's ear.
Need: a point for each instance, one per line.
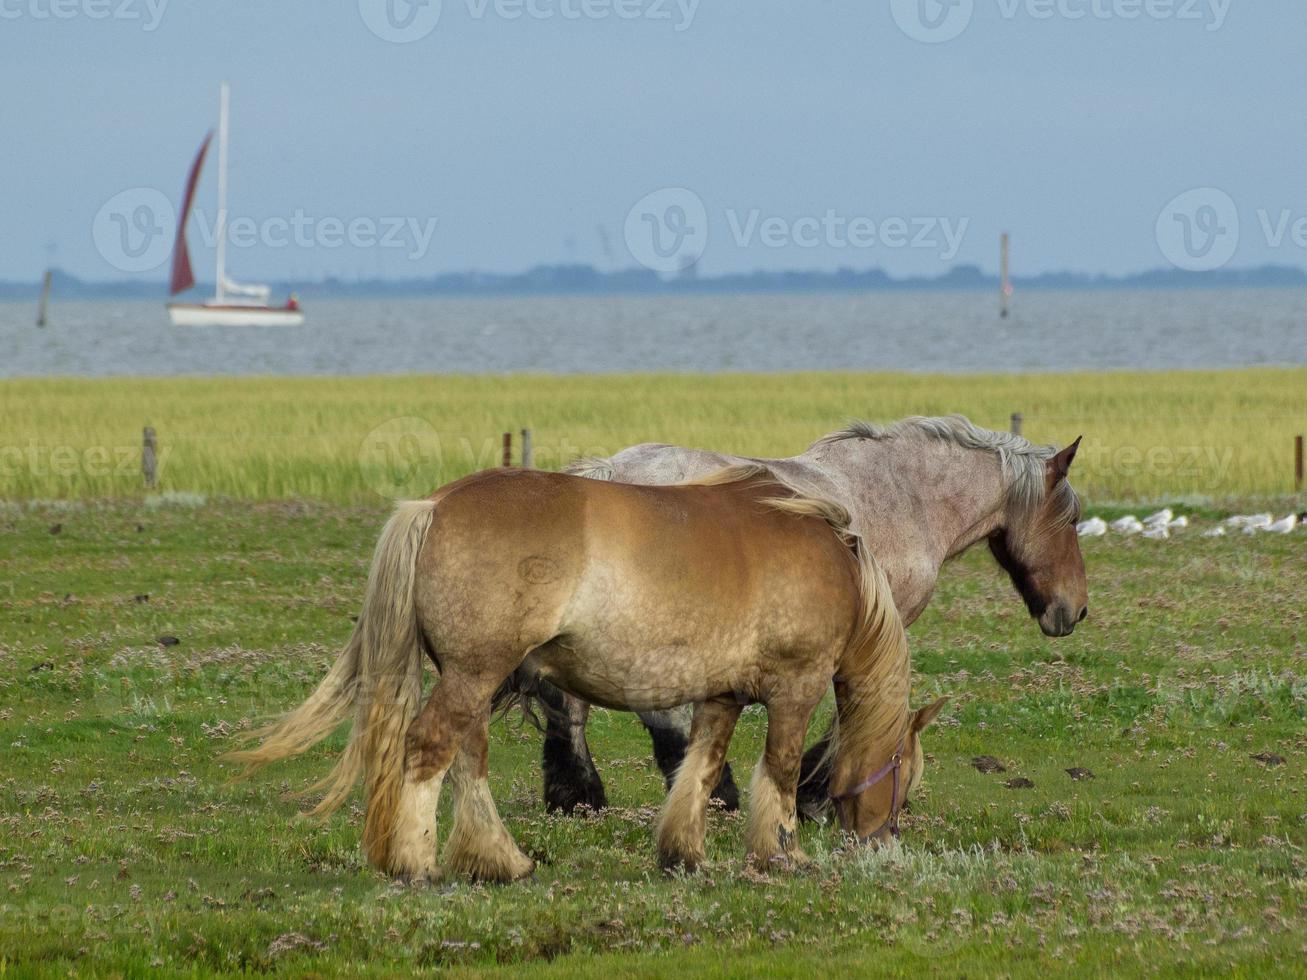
(1060, 465)
(922, 717)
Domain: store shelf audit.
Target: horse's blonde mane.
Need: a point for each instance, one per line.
(1023, 463)
(876, 671)
(797, 503)
(731, 474)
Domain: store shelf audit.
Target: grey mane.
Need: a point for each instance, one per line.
(1022, 462)
(593, 467)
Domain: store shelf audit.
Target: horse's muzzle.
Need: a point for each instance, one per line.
(1060, 619)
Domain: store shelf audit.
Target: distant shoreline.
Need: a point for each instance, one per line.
(574, 280)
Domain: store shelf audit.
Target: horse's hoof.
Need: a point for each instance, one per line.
(568, 797)
(791, 860)
(504, 874)
(798, 860)
(416, 879)
(687, 863)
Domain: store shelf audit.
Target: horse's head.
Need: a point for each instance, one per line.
(870, 810)
(1039, 549)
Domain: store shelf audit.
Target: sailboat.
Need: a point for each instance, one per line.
(234, 304)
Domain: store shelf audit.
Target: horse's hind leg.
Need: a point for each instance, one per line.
(480, 846)
(772, 832)
(571, 779)
(670, 732)
(683, 821)
(432, 742)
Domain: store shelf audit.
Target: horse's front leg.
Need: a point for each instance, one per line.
(571, 779)
(772, 829)
(683, 822)
(670, 732)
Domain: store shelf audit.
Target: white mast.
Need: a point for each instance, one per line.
(221, 286)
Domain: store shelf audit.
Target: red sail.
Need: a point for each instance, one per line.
(182, 277)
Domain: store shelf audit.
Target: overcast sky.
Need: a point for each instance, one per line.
(373, 137)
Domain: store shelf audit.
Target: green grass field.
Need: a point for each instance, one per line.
(1177, 435)
(124, 852)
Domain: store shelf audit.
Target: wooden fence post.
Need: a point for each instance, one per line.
(508, 449)
(150, 458)
(526, 449)
(1297, 464)
(1017, 419)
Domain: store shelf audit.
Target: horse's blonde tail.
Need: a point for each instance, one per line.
(378, 677)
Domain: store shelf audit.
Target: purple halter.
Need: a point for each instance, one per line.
(893, 766)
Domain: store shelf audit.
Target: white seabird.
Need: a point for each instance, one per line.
(1095, 527)
(1127, 525)
(1250, 520)
(1283, 526)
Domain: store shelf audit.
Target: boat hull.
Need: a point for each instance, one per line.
(205, 315)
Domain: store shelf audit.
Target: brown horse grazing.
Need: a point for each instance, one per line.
(728, 591)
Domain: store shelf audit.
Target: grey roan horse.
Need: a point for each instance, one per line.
(920, 492)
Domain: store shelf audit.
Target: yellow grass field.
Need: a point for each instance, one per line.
(1204, 436)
